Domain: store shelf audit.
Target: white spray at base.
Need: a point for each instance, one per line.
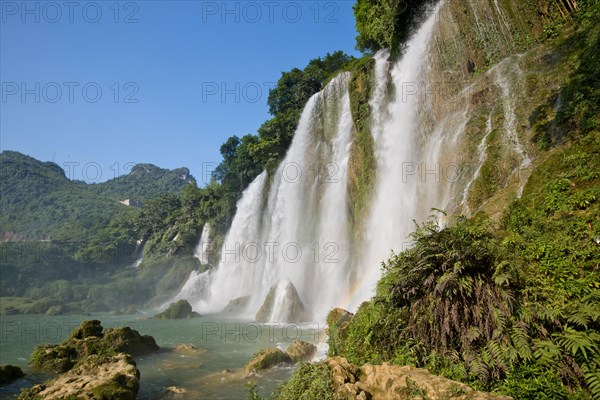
(202, 249)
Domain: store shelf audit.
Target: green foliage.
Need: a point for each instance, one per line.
(39, 202)
(512, 307)
(252, 391)
(361, 170)
(309, 381)
(385, 23)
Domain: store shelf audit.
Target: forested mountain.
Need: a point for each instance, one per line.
(39, 202)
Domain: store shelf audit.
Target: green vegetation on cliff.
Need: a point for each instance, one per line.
(510, 305)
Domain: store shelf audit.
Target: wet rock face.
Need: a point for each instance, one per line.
(267, 358)
(236, 305)
(394, 382)
(91, 328)
(9, 374)
(283, 304)
(127, 340)
(179, 310)
(301, 351)
(270, 357)
(95, 378)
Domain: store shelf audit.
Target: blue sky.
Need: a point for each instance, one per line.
(96, 86)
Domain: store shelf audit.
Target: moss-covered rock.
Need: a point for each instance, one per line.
(91, 339)
(91, 328)
(301, 351)
(267, 358)
(9, 374)
(179, 310)
(338, 321)
(188, 349)
(127, 340)
(95, 378)
(395, 382)
(54, 358)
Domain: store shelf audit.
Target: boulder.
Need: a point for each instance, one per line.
(9, 374)
(90, 338)
(96, 377)
(290, 307)
(179, 310)
(91, 328)
(394, 382)
(127, 340)
(236, 305)
(339, 318)
(267, 358)
(301, 351)
(188, 349)
(338, 321)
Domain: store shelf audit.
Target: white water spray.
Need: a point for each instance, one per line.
(202, 249)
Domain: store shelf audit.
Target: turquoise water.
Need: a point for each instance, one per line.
(228, 345)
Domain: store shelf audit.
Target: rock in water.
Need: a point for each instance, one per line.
(90, 338)
(88, 329)
(267, 358)
(188, 348)
(179, 310)
(283, 304)
(236, 305)
(9, 374)
(301, 351)
(95, 377)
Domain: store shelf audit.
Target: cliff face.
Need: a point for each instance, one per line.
(508, 97)
(491, 60)
(492, 83)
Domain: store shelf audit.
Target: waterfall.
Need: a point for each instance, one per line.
(482, 151)
(398, 197)
(291, 228)
(202, 248)
(286, 256)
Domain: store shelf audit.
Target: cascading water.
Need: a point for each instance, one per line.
(202, 249)
(287, 253)
(298, 230)
(482, 150)
(397, 199)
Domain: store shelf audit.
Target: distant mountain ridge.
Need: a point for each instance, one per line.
(38, 201)
(144, 182)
